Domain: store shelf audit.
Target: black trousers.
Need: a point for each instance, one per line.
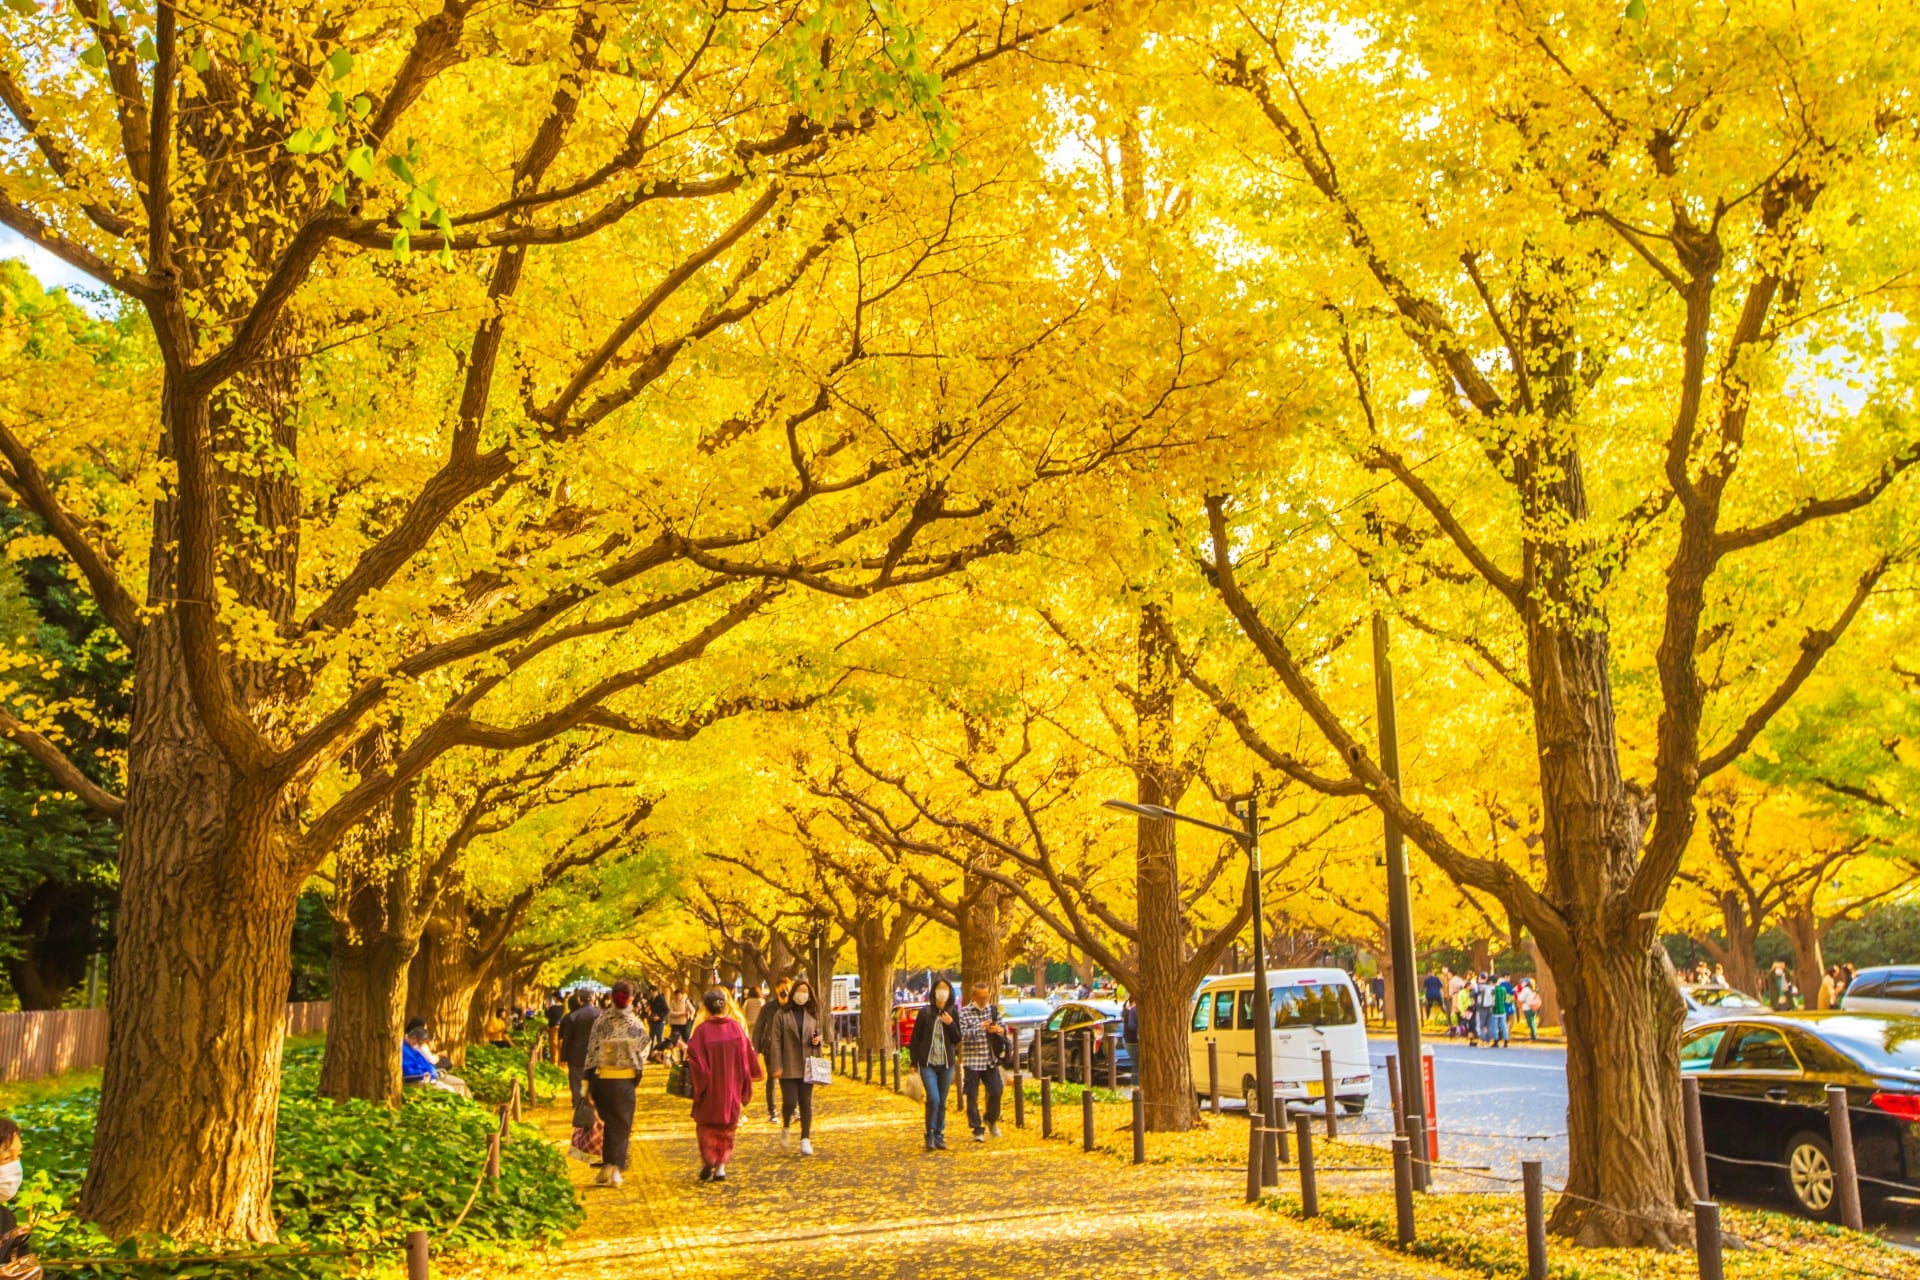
(992, 1081)
(797, 1095)
(613, 1099)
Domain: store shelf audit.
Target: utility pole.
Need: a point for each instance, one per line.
(1406, 993)
(1262, 999)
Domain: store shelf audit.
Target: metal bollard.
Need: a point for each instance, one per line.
(1417, 1134)
(1060, 1054)
(1309, 1185)
(1046, 1107)
(1696, 1136)
(416, 1255)
(1213, 1075)
(1256, 1156)
(1706, 1239)
(1534, 1184)
(869, 1054)
(1086, 1120)
(493, 1156)
(1403, 1188)
(1326, 1083)
(1019, 1101)
(1113, 1065)
(1393, 1091)
(1846, 1174)
(1139, 1126)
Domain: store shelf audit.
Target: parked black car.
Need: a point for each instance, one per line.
(1102, 1018)
(1763, 1100)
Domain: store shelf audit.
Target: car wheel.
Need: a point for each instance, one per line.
(1250, 1094)
(1809, 1175)
(1354, 1106)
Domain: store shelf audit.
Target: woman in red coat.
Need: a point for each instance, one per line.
(724, 1067)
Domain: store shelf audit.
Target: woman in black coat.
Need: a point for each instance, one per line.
(935, 1051)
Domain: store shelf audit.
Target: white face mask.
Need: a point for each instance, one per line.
(801, 997)
(940, 997)
(10, 1176)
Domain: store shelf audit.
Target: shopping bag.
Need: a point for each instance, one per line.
(818, 1071)
(679, 1081)
(912, 1086)
(586, 1143)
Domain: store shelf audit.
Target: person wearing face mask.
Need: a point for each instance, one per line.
(616, 1052)
(13, 1238)
(760, 1028)
(793, 1036)
(934, 1048)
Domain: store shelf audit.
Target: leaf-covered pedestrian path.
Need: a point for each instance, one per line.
(872, 1203)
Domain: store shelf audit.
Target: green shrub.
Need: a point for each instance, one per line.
(490, 1073)
(351, 1176)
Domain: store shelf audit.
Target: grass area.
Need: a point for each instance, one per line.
(349, 1181)
(1485, 1235)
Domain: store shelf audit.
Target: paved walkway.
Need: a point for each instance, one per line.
(873, 1204)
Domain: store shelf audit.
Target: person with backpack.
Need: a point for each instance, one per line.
(616, 1053)
(983, 1043)
(575, 1029)
(1502, 1015)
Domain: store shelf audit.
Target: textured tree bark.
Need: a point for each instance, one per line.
(875, 962)
(185, 1138)
(366, 1017)
(1736, 955)
(441, 981)
(1550, 1015)
(1809, 964)
(983, 934)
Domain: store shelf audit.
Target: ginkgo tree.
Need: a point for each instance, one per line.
(513, 359)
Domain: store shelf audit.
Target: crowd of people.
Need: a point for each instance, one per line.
(1481, 1008)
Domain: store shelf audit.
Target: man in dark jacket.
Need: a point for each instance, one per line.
(761, 1025)
(575, 1029)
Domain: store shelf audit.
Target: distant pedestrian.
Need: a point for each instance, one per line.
(750, 1007)
(793, 1036)
(556, 1010)
(1530, 1003)
(1463, 1014)
(1129, 1022)
(1779, 988)
(1829, 991)
(933, 1049)
(616, 1054)
(680, 1014)
(722, 1067)
(575, 1029)
(980, 1027)
(1483, 1007)
(496, 1029)
(1434, 994)
(759, 1028)
(1503, 1011)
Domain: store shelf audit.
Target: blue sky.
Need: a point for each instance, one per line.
(52, 272)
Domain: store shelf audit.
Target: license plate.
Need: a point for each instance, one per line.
(1316, 1088)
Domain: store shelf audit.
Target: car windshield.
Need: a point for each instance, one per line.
(1879, 1044)
(1025, 1009)
(1724, 998)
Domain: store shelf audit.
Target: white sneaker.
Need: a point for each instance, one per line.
(994, 1129)
(614, 1181)
(806, 1146)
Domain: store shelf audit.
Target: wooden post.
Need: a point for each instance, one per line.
(1139, 1126)
(1256, 1155)
(1213, 1074)
(1113, 1064)
(1422, 1171)
(1696, 1136)
(1846, 1175)
(1309, 1185)
(1019, 1101)
(493, 1156)
(1046, 1106)
(1086, 1119)
(1393, 1088)
(1326, 1084)
(1534, 1188)
(505, 1109)
(515, 1100)
(416, 1255)
(1403, 1188)
(1706, 1239)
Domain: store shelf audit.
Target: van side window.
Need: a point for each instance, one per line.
(1223, 1010)
(1246, 1010)
(1201, 1008)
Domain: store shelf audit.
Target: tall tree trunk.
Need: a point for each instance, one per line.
(1742, 934)
(1810, 966)
(441, 981)
(983, 934)
(875, 963)
(365, 1017)
(1549, 989)
(1163, 991)
(185, 1138)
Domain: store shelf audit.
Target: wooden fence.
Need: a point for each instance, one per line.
(46, 1042)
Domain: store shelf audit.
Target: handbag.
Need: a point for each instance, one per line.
(679, 1081)
(587, 1143)
(584, 1115)
(818, 1071)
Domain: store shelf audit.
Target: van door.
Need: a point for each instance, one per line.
(1199, 1036)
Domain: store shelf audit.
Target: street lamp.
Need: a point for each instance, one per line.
(1262, 1001)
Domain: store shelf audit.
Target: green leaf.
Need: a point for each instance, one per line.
(398, 166)
(362, 104)
(25, 8)
(340, 63)
(301, 142)
(1636, 10)
(145, 50)
(339, 194)
(323, 140)
(95, 56)
(198, 60)
(402, 245)
(360, 162)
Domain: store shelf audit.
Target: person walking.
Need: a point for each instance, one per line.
(722, 1067)
(1779, 988)
(575, 1029)
(759, 1029)
(1530, 1003)
(933, 1049)
(793, 1036)
(1463, 1012)
(980, 1026)
(556, 1010)
(750, 1007)
(1502, 1014)
(1432, 991)
(657, 1014)
(616, 1053)
(680, 1014)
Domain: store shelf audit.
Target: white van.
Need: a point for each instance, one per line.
(1312, 1009)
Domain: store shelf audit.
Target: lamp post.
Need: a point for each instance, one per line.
(1406, 997)
(1249, 835)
